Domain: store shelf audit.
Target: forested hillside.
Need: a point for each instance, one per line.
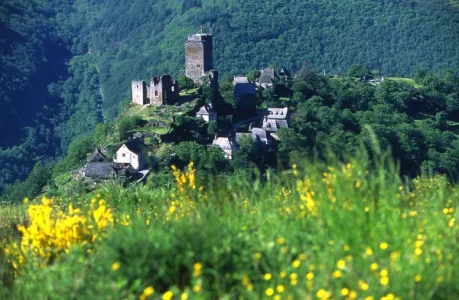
(112, 42)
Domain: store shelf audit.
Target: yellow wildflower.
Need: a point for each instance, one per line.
(363, 285)
(280, 240)
(323, 294)
(296, 263)
(197, 269)
(341, 264)
(149, 290)
(383, 246)
(337, 274)
(197, 288)
(384, 281)
(167, 295)
(368, 251)
(115, 266)
(269, 292)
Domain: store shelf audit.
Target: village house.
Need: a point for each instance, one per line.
(98, 171)
(265, 81)
(243, 87)
(275, 119)
(267, 77)
(284, 73)
(227, 144)
(268, 72)
(258, 135)
(245, 93)
(373, 80)
(207, 113)
(133, 153)
(97, 156)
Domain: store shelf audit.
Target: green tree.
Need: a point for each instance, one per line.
(127, 125)
(290, 140)
(185, 83)
(76, 155)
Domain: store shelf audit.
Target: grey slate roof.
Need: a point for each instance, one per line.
(136, 146)
(285, 72)
(257, 135)
(272, 125)
(265, 79)
(224, 143)
(97, 156)
(268, 72)
(240, 79)
(260, 133)
(205, 110)
(99, 170)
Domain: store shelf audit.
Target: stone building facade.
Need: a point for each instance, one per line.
(133, 153)
(207, 113)
(198, 55)
(160, 91)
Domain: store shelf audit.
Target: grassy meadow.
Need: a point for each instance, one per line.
(318, 231)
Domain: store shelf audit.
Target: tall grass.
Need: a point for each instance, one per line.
(319, 231)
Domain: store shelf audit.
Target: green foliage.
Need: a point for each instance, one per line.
(185, 83)
(126, 126)
(212, 128)
(358, 71)
(138, 39)
(76, 155)
(31, 187)
(317, 227)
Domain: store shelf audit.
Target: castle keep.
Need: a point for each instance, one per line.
(161, 91)
(198, 55)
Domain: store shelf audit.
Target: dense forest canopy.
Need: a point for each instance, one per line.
(53, 54)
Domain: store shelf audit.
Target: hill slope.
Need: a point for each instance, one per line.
(137, 39)
(113, 42)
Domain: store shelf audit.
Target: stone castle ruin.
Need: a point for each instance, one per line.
(160, 91)
(198, 63)
(198, 55)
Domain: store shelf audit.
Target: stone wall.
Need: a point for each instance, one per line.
(161, 91)
(139, 92)
(198, 55)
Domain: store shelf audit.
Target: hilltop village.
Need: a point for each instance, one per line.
(248, 115)
(132, 159)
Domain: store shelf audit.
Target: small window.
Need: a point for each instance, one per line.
(156, 93)
(123, 155)
(199, 66)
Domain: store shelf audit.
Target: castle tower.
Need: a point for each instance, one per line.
(139, 92)
(198, 55)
